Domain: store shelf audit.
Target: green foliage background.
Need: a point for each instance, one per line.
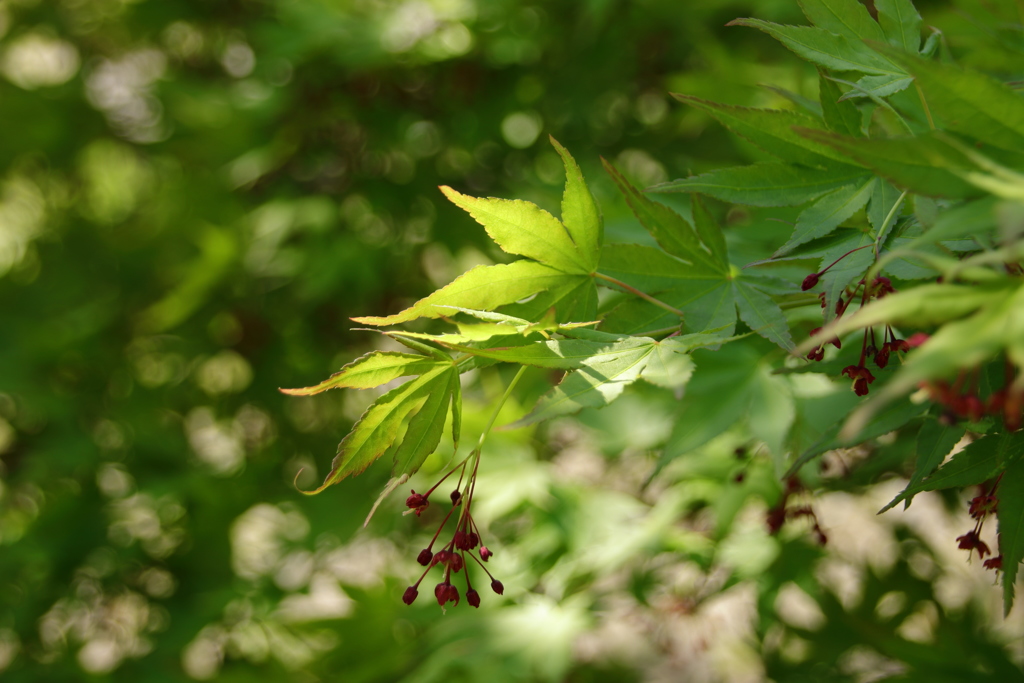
(195, 198)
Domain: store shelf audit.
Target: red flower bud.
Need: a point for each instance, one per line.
(860, 386)
(410, 595)
(994, 563)
(485, 554)
(474, 540)
(456, 497)
(441, 593)
(810, 281)
(497, 587)
(417, 502)
(441, 557)
(425, 556)
(462, 540)
(473, 598)
(456, 563)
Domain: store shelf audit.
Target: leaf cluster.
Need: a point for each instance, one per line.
(909, 169)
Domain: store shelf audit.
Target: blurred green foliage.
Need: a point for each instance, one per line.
(196, 196)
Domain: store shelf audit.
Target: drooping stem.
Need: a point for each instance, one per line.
(497, 408)
(471, 484)
(642, 295)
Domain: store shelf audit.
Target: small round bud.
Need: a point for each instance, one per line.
(473, 598)
(474, 540)
(497, 587)
(485, 554)
(461, 540)
(456, 497)
(456, 563)
(410, 595)
(810, 281)
(425, 557)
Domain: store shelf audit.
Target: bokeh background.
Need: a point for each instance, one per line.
(196, 195)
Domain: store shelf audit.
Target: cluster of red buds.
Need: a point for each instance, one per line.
(982, 505)
(962, 400)
(454, 556)
(859, 373)
(778, 515)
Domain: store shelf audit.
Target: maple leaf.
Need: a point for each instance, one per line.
(561, 257)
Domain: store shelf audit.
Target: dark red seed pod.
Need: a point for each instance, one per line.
(441, 593)
(425, 557)
(473, 598)
(410, 595)
(474, 540)
(442, 557)
(810, 281)
(461, 540)
(456, 563)
(453, 594)
(456, 497)
(497, 587)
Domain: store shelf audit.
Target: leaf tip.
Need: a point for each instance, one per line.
(312, 492)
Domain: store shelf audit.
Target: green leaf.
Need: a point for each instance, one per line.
(484, 288)
(425, 427)
(603, 371)
(848, 18)
(826, 214)
(569, 354)
(669, 229)
(923, 164)
(761, 314)
(523, 228)
(880, 424)
(934, 443)
(877, 87)
(969, 102)
(827, 49)
(377, 429)
(1011, 526)
(901, 23)
(768, 184)
(371, 370)
(708, 231)
(670, 365)
(841, 115)
(716, 398)
(772, 414)
(579, 211)
(770, 129)
(976, 463)
(882, 202)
